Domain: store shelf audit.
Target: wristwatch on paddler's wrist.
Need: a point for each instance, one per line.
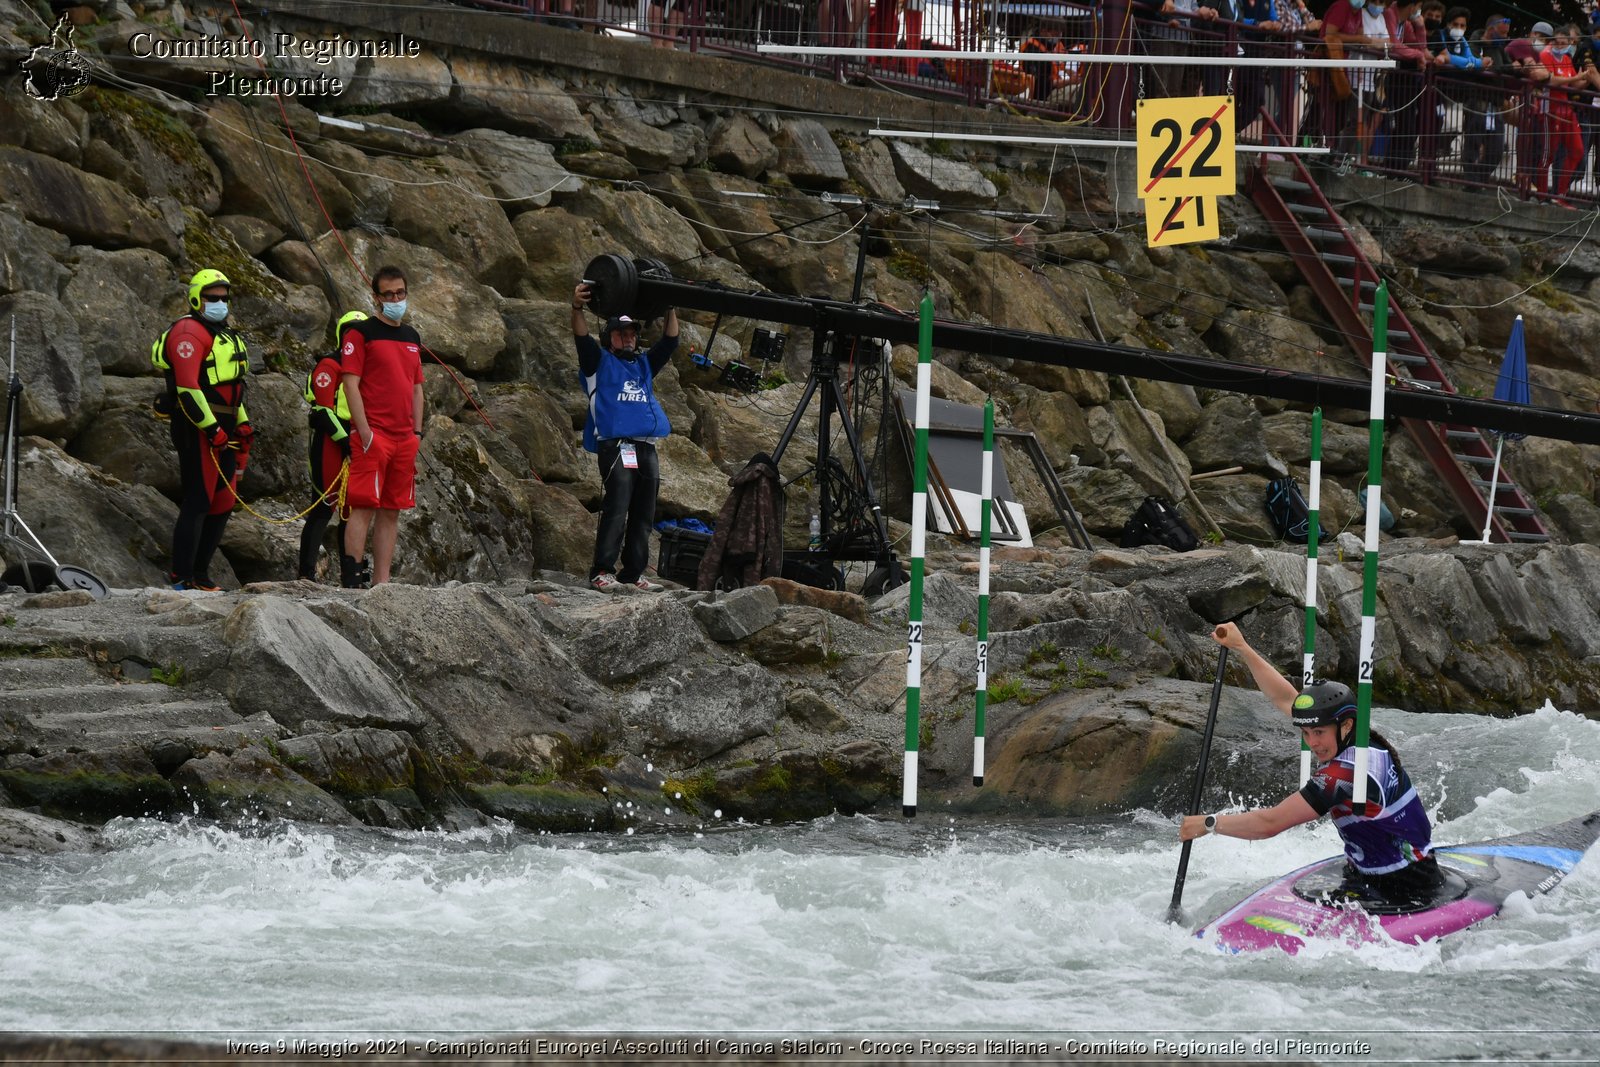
(1211, 824)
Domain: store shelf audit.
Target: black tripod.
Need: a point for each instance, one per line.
(836, 492)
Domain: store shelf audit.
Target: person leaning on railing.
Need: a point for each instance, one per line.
(1484, 111)
(1565, 154)
(1361, 29)
(1165, 26)
(1588, 59)
(1264, 32)
(1491, 41)
(1402, 87)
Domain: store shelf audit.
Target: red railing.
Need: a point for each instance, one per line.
(1430, 126)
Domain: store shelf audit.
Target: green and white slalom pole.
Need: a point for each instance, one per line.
(984, 526)
(1369, 570)
(919, 522)
(1308, 661)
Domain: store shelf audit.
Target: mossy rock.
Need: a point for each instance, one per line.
(164, 156)
(559, 807)
(805, 785)
(94, 790)
(208, 245)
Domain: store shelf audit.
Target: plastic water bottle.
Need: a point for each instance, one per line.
(816, 533)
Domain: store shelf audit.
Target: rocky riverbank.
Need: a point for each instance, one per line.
(563, 709)
(489, 683)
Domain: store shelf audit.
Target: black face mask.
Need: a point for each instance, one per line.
(1433, 24)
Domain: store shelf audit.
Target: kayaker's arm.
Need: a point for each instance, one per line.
(1272, 684)
(1252, 825)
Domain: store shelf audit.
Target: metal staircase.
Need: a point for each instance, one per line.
(1344, 280)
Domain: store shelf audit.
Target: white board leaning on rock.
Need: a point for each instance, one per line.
(955, 455)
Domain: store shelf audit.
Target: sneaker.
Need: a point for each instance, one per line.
(606, 583)
(645, 585)
(202, 585)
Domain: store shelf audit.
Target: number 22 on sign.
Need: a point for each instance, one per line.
(1185, 147)
(1180, 219)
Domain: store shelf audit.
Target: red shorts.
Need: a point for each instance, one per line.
(385, 475)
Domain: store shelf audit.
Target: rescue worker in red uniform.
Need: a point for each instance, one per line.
(330, 448)
(381, 365)
(205, 363)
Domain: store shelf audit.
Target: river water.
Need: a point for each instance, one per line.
(853, 926)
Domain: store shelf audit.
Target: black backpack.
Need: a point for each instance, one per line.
(1157, 522)
(1291, 515)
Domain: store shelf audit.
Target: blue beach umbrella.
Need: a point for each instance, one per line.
(1512, 387)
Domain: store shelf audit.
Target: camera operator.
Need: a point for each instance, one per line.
(625, 420)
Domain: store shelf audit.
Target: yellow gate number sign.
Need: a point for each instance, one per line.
(1185, 147)
(1179, 220)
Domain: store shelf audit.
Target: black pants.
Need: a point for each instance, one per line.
(197, 533)
(326, 459)
(628, 510)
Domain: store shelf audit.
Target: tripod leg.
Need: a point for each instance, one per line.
(833, 397)
(794, 420)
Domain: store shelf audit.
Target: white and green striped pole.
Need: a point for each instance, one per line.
(986, 513)
(1369, 570)
(919, 517)
(1308, 661)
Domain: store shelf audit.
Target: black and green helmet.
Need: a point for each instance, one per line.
(1323, 703)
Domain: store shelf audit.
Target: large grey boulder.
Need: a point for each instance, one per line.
(471, 521)
(250, 785)
(119, 531)
(692, 713)
(522, 172)
(639, 143)
(61, 385)
(692, 486)
(558, 246)
(262, 175)
(514, 97)
(740, 146)
(468, 227)
(34, 255)
(26, 833)
(1094, 750)
(807, 154)
(85, 207)
(287, 662)
(1230, 434)
(638, 221)
(871, 166)
(55, 128)
(949, 181)
(161, 153)
(386, 83)
(736, 615)
(486, 673)
(540, 428)
(117, 300)
(127, 441)
(630, 637)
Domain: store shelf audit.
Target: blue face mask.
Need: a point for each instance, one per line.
(1561, 51)
(1358, 4)
(215, 311)
(395, 312)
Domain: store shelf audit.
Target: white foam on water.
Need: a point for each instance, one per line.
(847, 924)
